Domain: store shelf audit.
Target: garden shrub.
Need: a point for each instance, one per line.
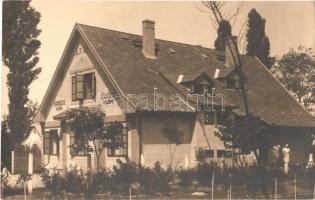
(147, 180)
(54, 183)
(162, 178)
(101, 181)
(204, 173)
(154, 179)
(124, 175)
(75, 181)
(186, 176)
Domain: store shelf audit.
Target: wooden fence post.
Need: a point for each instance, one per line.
(276, 188)
(212, 185)
(30, 171)
(295, 187)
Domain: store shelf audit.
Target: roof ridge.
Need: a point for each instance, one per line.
(163, 40)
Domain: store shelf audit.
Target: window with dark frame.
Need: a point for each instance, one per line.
(220, 153)
(209, 153)
(201, 89)
(79, 140)
(228, 154)
(51, 142)
(121, 151)
(231, 84)
(83, 86)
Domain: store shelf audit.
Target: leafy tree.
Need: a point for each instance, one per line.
(224, 32)
(174, 136)
(296, 70)
(248, 134)
(100, 135)
(19, 54)
(258, 43)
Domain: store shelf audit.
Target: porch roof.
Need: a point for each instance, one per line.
(65, 113)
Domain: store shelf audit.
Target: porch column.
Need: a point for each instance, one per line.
(61, 156)
(93, 158)
(67, 150)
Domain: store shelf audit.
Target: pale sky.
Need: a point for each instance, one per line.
(289, 24)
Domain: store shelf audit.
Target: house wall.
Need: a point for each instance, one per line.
(156, 147)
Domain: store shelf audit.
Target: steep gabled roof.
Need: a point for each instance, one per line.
(120, 54)
(225, 72)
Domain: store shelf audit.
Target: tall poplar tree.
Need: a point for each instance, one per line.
(257, 42)
(224, 31)
(19, 54)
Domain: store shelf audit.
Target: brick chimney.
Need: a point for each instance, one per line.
(230, 53)
(148, 38)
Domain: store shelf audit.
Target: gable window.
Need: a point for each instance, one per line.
(83, 86)
(51, 142)
(121, 151)
(89, 86)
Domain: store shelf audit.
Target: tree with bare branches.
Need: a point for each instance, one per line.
(248, 124)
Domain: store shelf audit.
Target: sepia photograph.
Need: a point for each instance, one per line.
(157, 100)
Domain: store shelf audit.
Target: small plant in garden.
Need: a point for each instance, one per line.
(154, 179)
(75, 181)
(54, 183)
(101, 181)
(186, 176)
(204, 173)
(147, 180)
(174, 136)
(162, 178)
(23, 179)
(124, 175)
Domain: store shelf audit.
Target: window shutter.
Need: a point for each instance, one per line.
(93, 85)
(74, 90)
(79, 86)
(47, 142)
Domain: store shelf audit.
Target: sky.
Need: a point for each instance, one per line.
(288, 25)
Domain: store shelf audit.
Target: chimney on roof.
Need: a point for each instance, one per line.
(148, 38)
(231, 52)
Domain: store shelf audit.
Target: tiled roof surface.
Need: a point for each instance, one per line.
(134, 74)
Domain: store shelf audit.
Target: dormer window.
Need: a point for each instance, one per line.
(196, 83)
(232, 84)
(200, 89)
